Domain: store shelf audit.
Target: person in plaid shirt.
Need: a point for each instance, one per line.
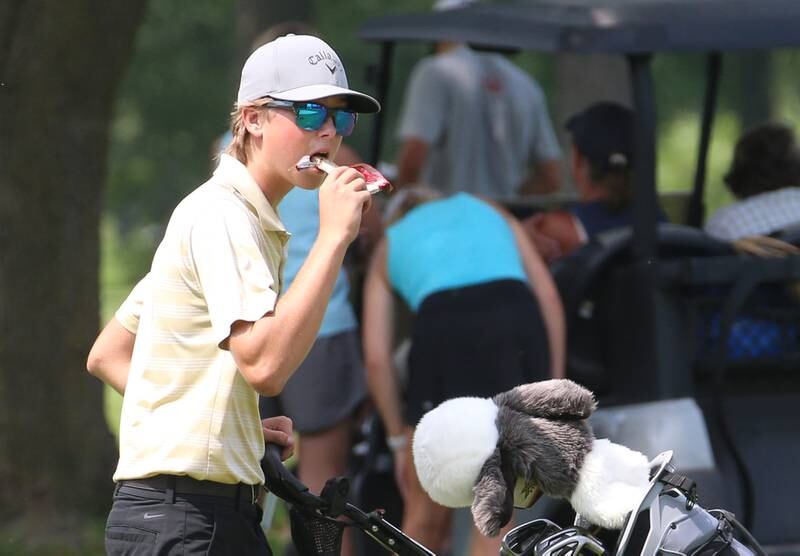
(765, 179)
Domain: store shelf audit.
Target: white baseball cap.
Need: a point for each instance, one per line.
(297, 68)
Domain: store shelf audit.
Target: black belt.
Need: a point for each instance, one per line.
(168, 486)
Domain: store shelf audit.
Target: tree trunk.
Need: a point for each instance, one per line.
(60, 64)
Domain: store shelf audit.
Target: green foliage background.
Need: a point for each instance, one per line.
(178, 91)
(173, 101)
(177, 94)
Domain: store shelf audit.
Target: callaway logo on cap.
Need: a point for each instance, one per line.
(298, 68)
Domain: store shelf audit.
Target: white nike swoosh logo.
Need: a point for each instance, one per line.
(153, 516)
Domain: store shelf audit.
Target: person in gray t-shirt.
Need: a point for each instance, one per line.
(475, 122)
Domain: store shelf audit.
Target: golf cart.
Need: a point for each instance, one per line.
(658, 312)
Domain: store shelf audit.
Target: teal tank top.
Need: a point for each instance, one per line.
(450, 243)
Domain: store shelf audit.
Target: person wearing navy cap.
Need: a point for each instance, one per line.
(601, 162)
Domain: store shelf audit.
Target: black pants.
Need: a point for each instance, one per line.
(149, 523)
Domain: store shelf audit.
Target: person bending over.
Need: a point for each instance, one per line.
(487, 317)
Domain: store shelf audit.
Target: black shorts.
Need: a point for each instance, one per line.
(475, 341)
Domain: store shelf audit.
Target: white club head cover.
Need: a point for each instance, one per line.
(613, 480)
(451, 444)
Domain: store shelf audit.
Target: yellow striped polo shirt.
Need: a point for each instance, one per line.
(187, 410)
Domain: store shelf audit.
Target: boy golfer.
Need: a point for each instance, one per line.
(211, 332)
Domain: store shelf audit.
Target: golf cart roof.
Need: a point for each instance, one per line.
(611, 26)
(632, 28)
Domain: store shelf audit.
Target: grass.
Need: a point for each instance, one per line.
(63, 535)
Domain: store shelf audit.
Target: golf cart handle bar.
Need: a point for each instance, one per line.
(283, 484)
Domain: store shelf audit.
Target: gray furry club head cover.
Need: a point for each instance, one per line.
(474, 451)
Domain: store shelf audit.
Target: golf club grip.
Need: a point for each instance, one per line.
(281, 482)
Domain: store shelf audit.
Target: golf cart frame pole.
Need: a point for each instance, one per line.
(696, 209)
(645, 202)
(383, 74)
(641, 275)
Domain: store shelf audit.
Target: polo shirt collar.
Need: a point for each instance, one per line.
(233, 173)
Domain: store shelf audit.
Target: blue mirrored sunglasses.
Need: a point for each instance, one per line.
(311, 116)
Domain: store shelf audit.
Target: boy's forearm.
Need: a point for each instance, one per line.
(275, 345)
(300, 312)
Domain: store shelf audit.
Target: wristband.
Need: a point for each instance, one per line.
(397, 442)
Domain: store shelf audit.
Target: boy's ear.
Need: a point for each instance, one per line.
(494, 496)
(252, 119)
(558, 398)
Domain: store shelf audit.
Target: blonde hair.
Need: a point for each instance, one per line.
(239, 147)
(407, 199)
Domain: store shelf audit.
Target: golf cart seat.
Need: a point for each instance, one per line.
(789, 235)
(718, 327)
(584, 280)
